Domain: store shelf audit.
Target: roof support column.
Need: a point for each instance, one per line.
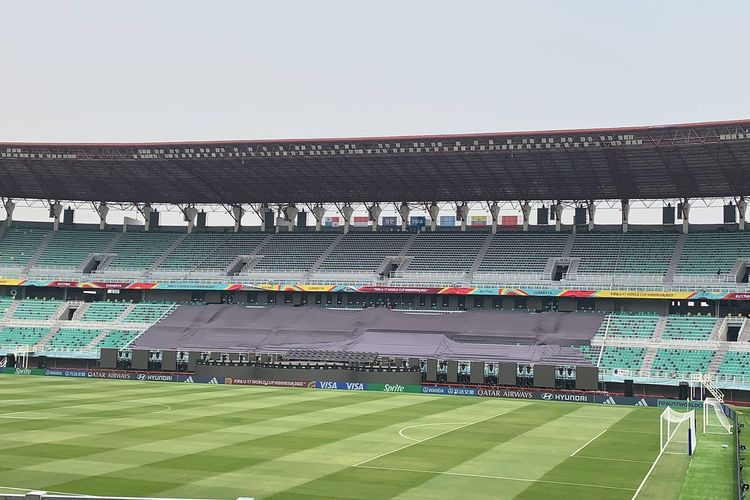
(374, 211)
(526, 212)
(9, 207)
(318, 212)
(463, 214)
(685, 215)
(190, 214)
(261, 211)
(434, 212)
(56, 209)
(742, 209)
(591, 207)
(102, 210)
(404, 210)
(494, 213)
(146, 218)
(558, 207)
(237, 212)
(625, 207)
(290, 213)
(346, 213)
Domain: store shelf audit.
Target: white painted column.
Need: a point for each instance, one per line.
(404, 211)
(290, 213)
(9, 207)
(374, 211)
(103, 210)
(318, 212)
(742, 209)
(237, 214)
(56, 211)
(494, 214)
(190, 214)
(346, 213)
(463, 211)
(685, 216)
(526, 211)
(625, 208)
(434, 212)
(591, 207)
(558, 216)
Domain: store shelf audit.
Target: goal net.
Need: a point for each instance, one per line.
(677, 432)
(715, 421)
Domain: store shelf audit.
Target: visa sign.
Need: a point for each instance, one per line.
(341, 386)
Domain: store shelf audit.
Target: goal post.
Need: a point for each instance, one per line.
(677, 432)
(715, 421)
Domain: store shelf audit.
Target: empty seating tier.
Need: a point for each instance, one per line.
(293, 252)
(630, 358)
(117, 339)
(21, 335)
(72, 338)
(148, 312)
(688, 327)
(139, 251)
(682, 361)
(18, 246)
(735, 363)
(42, 310)
(713, 253)
(447, 252)
(191, 251)
(363, 252)
(236, 244)
(629, 325)
(521, 252)
(104, 311)
(629, 253)
(69, 249)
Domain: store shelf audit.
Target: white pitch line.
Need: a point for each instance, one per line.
(588, 443)
(401, 431)
(502, 478)
(431, 437)
(640, 486)
(614, 459)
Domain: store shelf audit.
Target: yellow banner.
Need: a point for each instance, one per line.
(641, 294)
(315, 288)
(10, 282)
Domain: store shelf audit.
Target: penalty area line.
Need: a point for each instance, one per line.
(500, 478)
(431, 437)
(588, 443)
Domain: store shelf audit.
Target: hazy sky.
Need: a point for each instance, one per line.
(181, 70)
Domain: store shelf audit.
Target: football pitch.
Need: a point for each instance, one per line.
(100, 437)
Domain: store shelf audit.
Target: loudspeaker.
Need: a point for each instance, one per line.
(542, 216)
(580, 217)
(679, 211)
(41, 362)
(154, 220)
(730, 215)
(268, 217)
(552, 212)
(68, 216)
(628, 390)
(684, 391)
(667, 216)
(302, 219)
(10, 360)
(201, 219)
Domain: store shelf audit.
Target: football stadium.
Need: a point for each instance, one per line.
(395, 317)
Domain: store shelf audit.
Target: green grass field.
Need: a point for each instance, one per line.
(103, 437)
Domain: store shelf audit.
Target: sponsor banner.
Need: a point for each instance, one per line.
(333, 288)
(679, 403)
(63, 372)
(642, 294)
(22, 371)
(504, 393)
(450, 391)
(625, 401)
(399, 289)
(268, 383)
(341, 386)
(414, 389)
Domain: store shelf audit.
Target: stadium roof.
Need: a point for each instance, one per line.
(659, 162)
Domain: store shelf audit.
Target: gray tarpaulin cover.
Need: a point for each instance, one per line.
(488, 335)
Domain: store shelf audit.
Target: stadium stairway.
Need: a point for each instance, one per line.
(717, 359)
(99, 338)
(43, 341)
(676, 257)
(10, 311)
(479, 259)
(81, 308)
(744, 334)
(323, 256)
(177, 242)
(648, 359)
(38, 252)
(659, 330)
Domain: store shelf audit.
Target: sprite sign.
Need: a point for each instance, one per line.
(415, 389)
